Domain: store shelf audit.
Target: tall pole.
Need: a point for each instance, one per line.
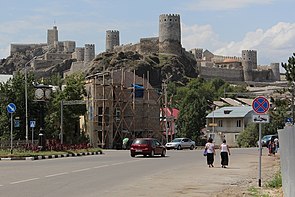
(166, 111)
(61, 122)
(26, 101)
(292, 105)
(11, 132)
(260, 154)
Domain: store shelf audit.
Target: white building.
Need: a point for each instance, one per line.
(227, 123)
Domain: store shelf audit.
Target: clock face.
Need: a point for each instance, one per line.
(39, 93)
(47, 93)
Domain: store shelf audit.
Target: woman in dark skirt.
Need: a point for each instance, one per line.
(210, 152)
(224, 153)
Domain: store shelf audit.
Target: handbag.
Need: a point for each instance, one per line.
(205, 152)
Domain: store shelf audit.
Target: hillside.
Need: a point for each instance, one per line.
(160, 66)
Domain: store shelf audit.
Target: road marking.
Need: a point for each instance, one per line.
(58, 174)
(101, 166)
(22, 181)
(81, 170)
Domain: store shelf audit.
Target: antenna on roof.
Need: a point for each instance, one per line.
(54, 22)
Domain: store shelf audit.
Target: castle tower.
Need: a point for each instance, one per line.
(52, 35)
(170, 34)
(79, 53)
(89, 52)
(249, 62)
(198, 53)
(275, 67)
(112, 39)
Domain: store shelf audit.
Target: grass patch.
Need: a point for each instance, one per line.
(276, 182)
(256, 193)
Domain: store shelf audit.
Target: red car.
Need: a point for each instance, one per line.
(147, 146)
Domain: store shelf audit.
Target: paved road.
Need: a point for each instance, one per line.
(115, 173)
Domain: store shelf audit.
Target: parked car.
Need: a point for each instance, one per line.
(265, 139)
(181, 143)
(147, 146)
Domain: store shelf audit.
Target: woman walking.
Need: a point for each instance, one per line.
(224, 153)
(210, 152)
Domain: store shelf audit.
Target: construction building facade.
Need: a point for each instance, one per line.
(121, 104)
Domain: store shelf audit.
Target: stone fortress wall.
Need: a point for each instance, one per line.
(209, 65)
(232, 68)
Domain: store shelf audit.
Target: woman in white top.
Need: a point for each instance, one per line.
(224, 152)
(210, 152)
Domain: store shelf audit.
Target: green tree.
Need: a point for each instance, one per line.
(13, 91)
(249, 137)
(290, 68)
(74, 90)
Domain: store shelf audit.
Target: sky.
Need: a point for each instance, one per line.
(224, 27)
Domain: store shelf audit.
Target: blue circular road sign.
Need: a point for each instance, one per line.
(260, 105)
(11, 108)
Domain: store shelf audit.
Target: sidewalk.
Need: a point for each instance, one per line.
(201, 181)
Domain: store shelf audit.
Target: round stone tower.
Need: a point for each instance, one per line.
(89, 52)
(275, 67)
(80, 53)
(112, 39)
(249, 62)
(170, 34)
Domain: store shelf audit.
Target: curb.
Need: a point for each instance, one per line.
(52, 156)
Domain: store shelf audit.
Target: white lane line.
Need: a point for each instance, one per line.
(58, 174)
(101, 166)
(22, 181)
(1, 185)
(81, 170)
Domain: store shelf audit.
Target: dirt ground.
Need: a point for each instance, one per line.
(270, 166)
(201, 181)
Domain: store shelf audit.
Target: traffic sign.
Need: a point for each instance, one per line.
(32, 123)
(11, 108)
(263, 118)
(260, 105)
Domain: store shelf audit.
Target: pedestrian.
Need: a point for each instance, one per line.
(276, 142)
(124, 144)
(210, 152)
(224, 154)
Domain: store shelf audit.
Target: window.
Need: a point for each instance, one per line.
(239, 123)
(220, 123)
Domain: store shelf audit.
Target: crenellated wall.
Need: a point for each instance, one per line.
(223, 73)
(149, 45)
(23, 47)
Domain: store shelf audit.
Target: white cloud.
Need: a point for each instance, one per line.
(225, 4)
(275, 44)
(198, 36)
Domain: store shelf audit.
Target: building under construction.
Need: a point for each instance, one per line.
(121, 104)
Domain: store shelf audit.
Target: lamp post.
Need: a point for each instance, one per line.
(26, 101)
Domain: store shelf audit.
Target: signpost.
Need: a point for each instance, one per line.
(11, 109)
(260, 105)
(32, 125)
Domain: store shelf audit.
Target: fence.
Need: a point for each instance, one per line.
(5, 144)
(287, 153)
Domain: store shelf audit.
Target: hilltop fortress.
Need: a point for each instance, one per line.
(208, 65)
